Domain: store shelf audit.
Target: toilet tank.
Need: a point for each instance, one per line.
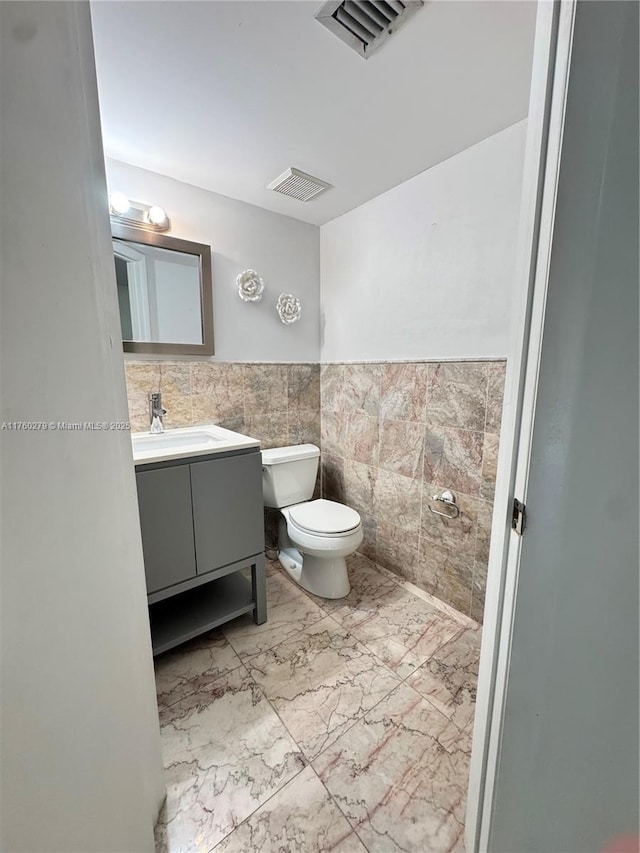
(289, 474)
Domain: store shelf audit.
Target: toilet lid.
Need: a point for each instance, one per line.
(324, 517)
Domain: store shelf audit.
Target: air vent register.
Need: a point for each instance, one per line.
(366, 24)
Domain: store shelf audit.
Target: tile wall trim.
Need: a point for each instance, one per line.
(484, 359)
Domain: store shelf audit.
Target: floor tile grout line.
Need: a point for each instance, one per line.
(354, 721)
(372, 708)
(275, 711)
(242, 661)
(420, 697)
(340, 809)
(280, 642)
(309, 762)
(227, 672)
(431, 705)
(384, 663)
(306, 760)
(285, 727)
(195, 689)
(249, 816)
(365, 646)
(402, 679)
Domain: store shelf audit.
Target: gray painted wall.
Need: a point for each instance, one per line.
(568, 767)
(284, 251)
(425, 270)
(80, 765)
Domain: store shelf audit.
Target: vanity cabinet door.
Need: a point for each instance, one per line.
(164, 501)
(227, 510)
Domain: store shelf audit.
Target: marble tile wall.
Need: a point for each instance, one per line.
(276, 403)
(394, 435)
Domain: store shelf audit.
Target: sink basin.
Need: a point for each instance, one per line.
(190, 441)
(169, 441)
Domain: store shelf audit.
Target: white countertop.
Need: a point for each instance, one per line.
(189, 441)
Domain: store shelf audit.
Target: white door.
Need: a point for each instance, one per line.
(560, 762)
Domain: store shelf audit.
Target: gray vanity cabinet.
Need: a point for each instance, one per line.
(227, 510)
(202, 535)
(166, 522)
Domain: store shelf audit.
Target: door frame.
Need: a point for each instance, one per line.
(550, 77)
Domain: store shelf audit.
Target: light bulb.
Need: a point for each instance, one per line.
(119, 203)
(156, 215)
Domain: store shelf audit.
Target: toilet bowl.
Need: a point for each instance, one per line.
(314, 536)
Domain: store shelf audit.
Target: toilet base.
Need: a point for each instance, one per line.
(325, 577)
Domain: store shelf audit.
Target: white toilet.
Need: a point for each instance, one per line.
(314, 537)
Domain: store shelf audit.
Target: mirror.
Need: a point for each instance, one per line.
(164, 292)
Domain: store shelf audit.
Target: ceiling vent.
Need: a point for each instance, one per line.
(365, 24)
(298, 185)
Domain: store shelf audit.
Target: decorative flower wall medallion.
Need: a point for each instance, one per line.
(288, 308)
(250, 286)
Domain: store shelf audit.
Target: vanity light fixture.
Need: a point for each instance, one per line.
(156, 215)
(118, 204)
(127, 212)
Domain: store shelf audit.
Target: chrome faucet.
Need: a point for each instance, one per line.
(156, 412)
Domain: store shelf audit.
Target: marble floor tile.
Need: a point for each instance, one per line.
(400, 776)
(190, 667)
(272, 567)
(370, 587)
(449, 678)
(225, 753)
(289, 611)
(320, 682)
(301, 817)
(241, 717)
(402, 630)
(443, 607)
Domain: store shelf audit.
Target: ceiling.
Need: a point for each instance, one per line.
(227, 95)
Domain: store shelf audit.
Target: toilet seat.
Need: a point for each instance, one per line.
(324, 518)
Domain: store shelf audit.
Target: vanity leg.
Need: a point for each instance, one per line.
(259, 583)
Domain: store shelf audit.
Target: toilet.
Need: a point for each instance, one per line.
(314, 537)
